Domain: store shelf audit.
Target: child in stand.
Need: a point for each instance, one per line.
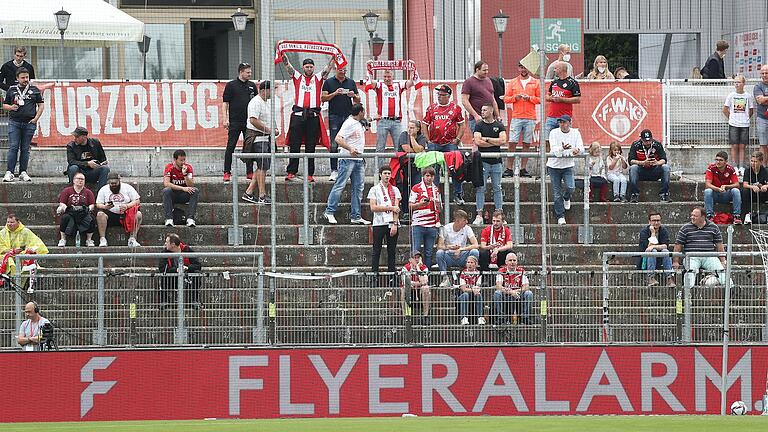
(616, 164)
(597, 180)
(470, 292)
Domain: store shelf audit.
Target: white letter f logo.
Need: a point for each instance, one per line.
(94, 388)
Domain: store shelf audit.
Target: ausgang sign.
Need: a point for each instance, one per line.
(557, 31)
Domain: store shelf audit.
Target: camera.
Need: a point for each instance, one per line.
(365, 124)
(48, 340)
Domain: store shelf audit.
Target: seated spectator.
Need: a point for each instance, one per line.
(426, 205)
(419, 295)
(565, 143)
(495, 242)
(179, 188)
(384, 200)
(597, 180)
(622, 73)
(616, 164)
(169, 267)
(755, 190)
(75, 208)
(17, 239)
(655, 238)
(86, 155)
(648, 161)
(722, 186)
(411, 141)
(455, 244)
(700, 235)
(489, 135)
(513, 296)
(469, 286)
(600, 69)
(118, 204)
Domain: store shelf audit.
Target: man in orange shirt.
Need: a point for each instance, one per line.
(523, 94)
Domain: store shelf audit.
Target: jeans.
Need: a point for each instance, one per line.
(750, 198)
(92, 175)
(666, 263)
(445, 148)
(412, 176)
(706, 263)
(447, 258)
(334, 124)
(731, 195)
(493, 171)
(233, 134)
(638, 173)
(550, 124)
(171, 197)
(348, 168)
(427, 236)
(619, 182)
(386, 126)
(19, 140)
(504, 304)
(466, 297)
(559, 176)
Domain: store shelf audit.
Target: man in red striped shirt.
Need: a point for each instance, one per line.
(425, 205)
(388, 101)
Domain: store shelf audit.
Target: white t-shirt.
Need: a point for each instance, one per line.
(126, 195)
(258, 108)
(29, 329)
(460, 238)
(739, 105)
(354, 134)
(383, 197)
(556, 140)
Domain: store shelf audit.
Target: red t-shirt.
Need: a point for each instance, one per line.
(514, 278)
(443, 122)
(72, 198)
(719, 178)
(427, 216)
(495, 237)
(178, 176)
(568, 87)
(421, 271)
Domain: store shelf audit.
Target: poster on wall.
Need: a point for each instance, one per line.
(748, 53)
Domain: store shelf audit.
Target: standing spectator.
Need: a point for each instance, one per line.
(388, 103)
(258, 139)
(563, 56)
(714, 68)
(411, 141)
(755, 190)
(600, 69)
(31, 330)
(179, 188)
(615, 166)
(445, 126)
(513, 296)
(118, 204)
(237, 94)
(351, 140)
(340, 92)
(648, 161)
(760, 92)
(700, 235)
(566, 143)
(738, 109)
(455, 244)
(171, 266)
(523, 93)
(469, 286)
(9, 69)
(722, 186)
(562, 94)
(420, 293)
(76, 204)
(86, 155)
(425, 205)
(305, 118)
(25, 103)
(655, 238)
(384, 200)
(477, 91)
(495, 242)
(597, 180)
(489, 136)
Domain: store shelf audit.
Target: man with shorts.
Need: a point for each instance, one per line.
(258, 139)
(523, 95)
(118, 205)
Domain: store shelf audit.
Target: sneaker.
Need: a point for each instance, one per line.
(103, 242)
(617, 198)
(493, 266)
(508, 173)
(249, 175)
(265, 200)
(710, 216)
(736, 220)
(480, 320)
(634, 197)
(330, 218)
(524, 173)
(62, 242)
(90, 243)
(748, 219)
(133, 243)
(446, 282)
(311, 179)
(292, 177)
(227, 177)
(624, 198)
(664, 197)
(359, 221)
(465, 321)
(169, 223)
(334, 175)
(478, 220)
(671, 281)
(250, 198)
(191, 222)
(652, 281)
(567, 204)
(561, 221)
(458, 199)
(23, 176)
(8, 176)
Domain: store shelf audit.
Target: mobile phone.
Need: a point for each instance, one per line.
(104, 163)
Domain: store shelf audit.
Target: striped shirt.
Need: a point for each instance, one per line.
(695, 239)
(388, 98)
(428, 216)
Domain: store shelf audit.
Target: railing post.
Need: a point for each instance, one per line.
(259, 334)
(18, 303)
(235, 233)
(100, 335)
(305, 238)
(181, 330)
(585, 231)
(687, 285)
(447, 202)
(517, 235)
(607, 331)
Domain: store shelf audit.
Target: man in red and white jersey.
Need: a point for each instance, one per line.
(425, 205)
(388, 101)
(305, 120)
(495, 242)
(445, 127)
(420, 295)
(513, 295)
(179, 187)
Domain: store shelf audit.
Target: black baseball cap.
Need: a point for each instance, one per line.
(444, 88)
(80, 131)
(646, 135)
(308, 61)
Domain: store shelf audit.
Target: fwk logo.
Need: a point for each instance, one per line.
(95, 387)
(619, 114)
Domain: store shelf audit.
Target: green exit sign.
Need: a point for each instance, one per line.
(557, 31)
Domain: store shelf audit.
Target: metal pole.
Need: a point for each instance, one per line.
(687, 330)
(259, 335)
(607, 332)
(306, 201)
(100, 336)
(587, 187)
(517, 235)
(543, 176)
(181, 331)
(726, 325)
(144, 56)
(500, 57)
(61, 46)
(234, 238)
(19, 306)
(240, 46)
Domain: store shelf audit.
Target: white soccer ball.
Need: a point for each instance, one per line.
(738, 408)
(710, 280)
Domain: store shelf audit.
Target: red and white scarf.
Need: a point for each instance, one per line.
(311, 47)
(382, 65)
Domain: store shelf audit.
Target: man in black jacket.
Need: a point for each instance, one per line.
(655, 238)
(648, 161)
(169, 267)
(714, 68)
(86, 155)
(8, 70)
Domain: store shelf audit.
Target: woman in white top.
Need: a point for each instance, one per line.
(738, 109)
(616, 163)
(385, 205)
(600, 69)
(596, 165)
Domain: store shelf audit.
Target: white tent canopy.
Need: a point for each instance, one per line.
(92, 23)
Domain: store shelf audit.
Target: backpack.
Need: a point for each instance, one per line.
(179, 217)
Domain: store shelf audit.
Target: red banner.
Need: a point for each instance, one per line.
(189, 114)
(196, 384)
